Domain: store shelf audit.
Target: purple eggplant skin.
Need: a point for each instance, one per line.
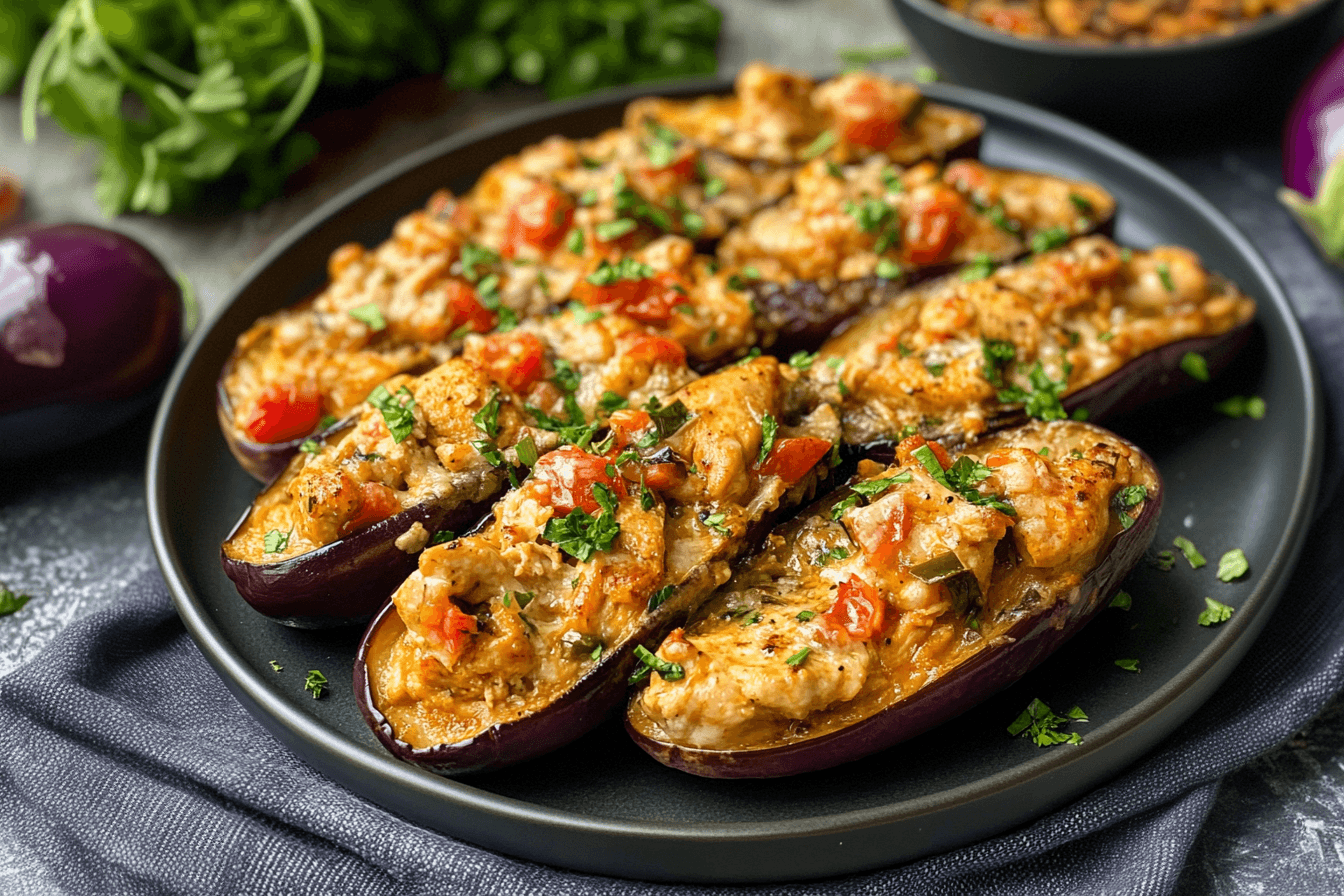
(90, 323)
(345, 582)
(1030, 641)
(587, 703)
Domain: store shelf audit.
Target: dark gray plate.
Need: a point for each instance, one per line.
(600, 804)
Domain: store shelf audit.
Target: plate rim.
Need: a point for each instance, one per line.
(331, 749)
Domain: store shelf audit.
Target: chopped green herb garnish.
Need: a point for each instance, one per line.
(1164, 274)
(527, 451)
(805, 615)
(1192, 554)
(998, 354)
(645, 497)
(667, 419)
(596, 654)
(1214, 612)
(396, 410)
(836, 553)
(1105, 337)
(1122, 601)
(487, 418)
(327, 422)
(275, 664)
(370, 315)
(769, 427)
(524, 598)
(888, 269)
(611, 401)
(1195, 366)
(716, 521)
(581, 534)
(834, 170)
(1233, 565)
(1050, 238)
(583, 314)
(797, 659)
(310, 446)
(876, 217)
(612, 230)
(276, 541)
(1042, 400)
(12, 602)
(979, 268)
(1242, 406)
(1082, 203)
(860, 56)
(714, 187)
(587, 198)
(651, 662)
(802, 360)
(625, 269)
(574, 241)
(935, 369)
(1040, 723)
(1164, 560)
(868, 488)
(661, 596)
(926, 74)
(443, 536)
(1128, 665)
(315, 684)
(474, 256)
(824, 141)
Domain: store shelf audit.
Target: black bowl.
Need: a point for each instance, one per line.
(1231, 82)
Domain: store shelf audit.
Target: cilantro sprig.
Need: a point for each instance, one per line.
(396, 410)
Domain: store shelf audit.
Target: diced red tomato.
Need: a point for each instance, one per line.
(467, 309)
(869, 114)
(570, 473)
(627, 425)
(455, 629)
(905, 451)
(654, 349)
(965, 175)
(790, 459)
(540, 219)
(377, 502)
(998, 459)
(859, 610)
(937, 223)
(880, 541)
(661, 477)
(284, 411)
(652, 300)
(515, 359)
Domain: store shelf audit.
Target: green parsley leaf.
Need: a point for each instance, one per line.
(581, 534)
(315, 684)
(888, 269)
(396, 410)
(11, 601)
(587, 198)
(442, 536)
(1242, 406)
(661, 596)
(869, 488)
(1040, 723)
(596, 654)
(583, 314)
(714, 187)
(1233, 565)
(275, 664)
(935, 369)
(574, 241)
(370, 315)
(1105, 337)
(797, 659)
(876, 217)
(1042, 400)
(527, 451)
(474, 257)
(825, 557)
(1050, 238)
(612, 230)
(1165, 561)
(276, 541)
(611, 401)
(1192, 554)
(1082, 203)
(834, 170)
(1164, 274)
(998, 216)
(667, 419)
(1128, 665)
(1215, 612)
(1122, 600)
(487, 418)
(769, 427)
(327, 422)
(802, 360)
(998, 353)
(1195, 366)
(716, 521)
(979, 267)
(625, 269)
(645, 497)
(651, 662)
(310, 446)
(824, 141)
(926, 74)
(805, 615)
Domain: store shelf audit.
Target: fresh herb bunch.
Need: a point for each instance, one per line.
(181, 94)
(570, 47)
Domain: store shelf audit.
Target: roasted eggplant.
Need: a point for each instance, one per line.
(1089, 326)
(510, 643)
(900, 601)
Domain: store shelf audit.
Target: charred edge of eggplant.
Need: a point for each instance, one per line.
(589, 701)
(343, 583)
(1024, 646)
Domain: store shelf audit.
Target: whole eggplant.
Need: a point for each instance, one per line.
(90, 322)
(1008, 643)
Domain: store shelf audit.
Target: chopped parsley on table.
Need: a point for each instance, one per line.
(1192, 554)
(1121, 601)
(1235, 406)
(1195, 366)
(1128, 665)
(315, 683)
(1043, 726)
(1233, 565)
(11, 601)
(1215, 612)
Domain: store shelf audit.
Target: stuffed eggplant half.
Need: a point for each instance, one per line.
(506, 644)
(899, 601)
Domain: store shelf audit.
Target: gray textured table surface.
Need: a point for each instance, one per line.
(72, 526)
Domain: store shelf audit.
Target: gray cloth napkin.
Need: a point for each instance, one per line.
(127, 767)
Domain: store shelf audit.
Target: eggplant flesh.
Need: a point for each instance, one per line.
(780, 675)
(509, 685)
